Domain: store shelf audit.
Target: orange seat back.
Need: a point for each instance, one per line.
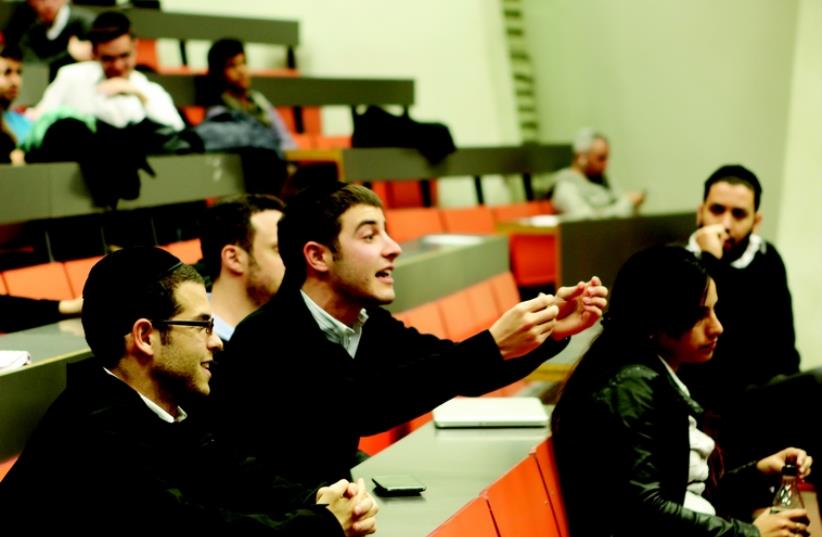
(505, 291)
(474, 520)
(188, 251)
(478, 220)
(331, 142)
(460, 321)
(77, 271)
(3, 290)
(543, 453)
(146, 53)
(534, 259)
(519, 503)
(545, 207)
(512, 211)
(483, 305)
(39, 281)
(377, 442)
(426, 318)
(194, 114)
(6, 465)
(408, 224)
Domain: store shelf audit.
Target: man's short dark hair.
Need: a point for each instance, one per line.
(11, 52)
(127, 285)
(219, 54)
(735, 174)
(229, 222)
(108, 26)
(313, 214)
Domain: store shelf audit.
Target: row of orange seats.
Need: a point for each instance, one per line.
(64, 280)
(533, 257)
(457, 316)
(525, 502)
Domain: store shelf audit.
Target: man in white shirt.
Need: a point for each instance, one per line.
(108, 88)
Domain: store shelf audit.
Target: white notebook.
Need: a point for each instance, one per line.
(491, 412)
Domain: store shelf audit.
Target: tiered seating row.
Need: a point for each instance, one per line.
(524, 502)
(533, 256)
(65, 280)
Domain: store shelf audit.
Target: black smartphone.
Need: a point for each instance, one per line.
(397, 485)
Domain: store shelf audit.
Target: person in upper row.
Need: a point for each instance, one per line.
(324, 339)
(109, 88)
(14, 123)
(583, 190)
(231, 85)
(50, 31)
(627, 432)
(238, 236)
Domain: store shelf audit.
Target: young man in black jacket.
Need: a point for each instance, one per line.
(322, 364)
(117, 453)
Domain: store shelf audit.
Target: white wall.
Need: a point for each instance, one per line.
(454, 51)
(679, 87)
(800, 227)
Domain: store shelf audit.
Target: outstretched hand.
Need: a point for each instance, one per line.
(579, 307)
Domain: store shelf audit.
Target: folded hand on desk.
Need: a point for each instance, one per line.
(352, 505)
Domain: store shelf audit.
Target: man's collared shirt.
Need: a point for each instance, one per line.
(755, 244)
(154, 407)
(334, 330)
(76, 88)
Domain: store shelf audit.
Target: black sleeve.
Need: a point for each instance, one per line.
(421, 371)
(18, 313)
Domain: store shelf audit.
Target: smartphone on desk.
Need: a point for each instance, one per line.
(397, 485)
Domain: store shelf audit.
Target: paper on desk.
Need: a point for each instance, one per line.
(14, 359)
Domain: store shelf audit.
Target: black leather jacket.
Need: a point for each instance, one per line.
(623, 456)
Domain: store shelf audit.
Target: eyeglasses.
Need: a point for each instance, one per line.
(208, 325)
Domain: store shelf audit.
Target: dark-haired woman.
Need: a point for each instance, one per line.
(632, 459)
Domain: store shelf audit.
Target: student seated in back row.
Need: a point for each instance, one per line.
(583, 191)
(632, 457)
(117, 453)
(322, 364)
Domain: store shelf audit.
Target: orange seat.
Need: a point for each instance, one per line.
(419, 421)
(188, 251)
(474, 520)
(39, 281)
(377, 442)
(460, 321)
(533, 259)
(545, 207)
(505, 291)
(331, 142)
(146, 53)
(426, 318)
(3, 290)
(194, 114)
(512, 211)
(405, 194)
(408, 224)
(303, 141)
(543, 453)
(6, 465)
(519, 503)
(312, 120)
(483, 306)
(77, 271)
(479, 220)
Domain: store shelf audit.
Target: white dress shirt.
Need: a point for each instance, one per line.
(75, 87)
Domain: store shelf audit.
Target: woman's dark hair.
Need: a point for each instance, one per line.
(660, 290)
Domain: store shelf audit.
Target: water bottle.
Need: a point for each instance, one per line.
(787, 495)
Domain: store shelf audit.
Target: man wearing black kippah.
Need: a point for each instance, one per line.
(117, 453)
